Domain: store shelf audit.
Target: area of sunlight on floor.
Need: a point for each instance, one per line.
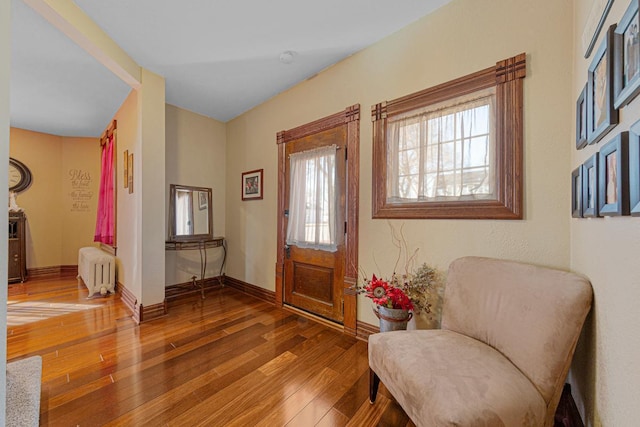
(21, 313)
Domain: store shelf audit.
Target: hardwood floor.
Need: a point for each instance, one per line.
(228, 360)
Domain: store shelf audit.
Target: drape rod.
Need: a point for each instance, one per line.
(108, 131)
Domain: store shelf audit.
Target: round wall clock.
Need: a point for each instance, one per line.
(19, 176)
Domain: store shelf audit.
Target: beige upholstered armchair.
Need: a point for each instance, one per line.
(508, 335)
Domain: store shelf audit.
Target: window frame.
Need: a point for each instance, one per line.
(507, 78)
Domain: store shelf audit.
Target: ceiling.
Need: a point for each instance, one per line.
(220, 58)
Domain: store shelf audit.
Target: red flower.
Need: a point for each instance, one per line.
(384, 294)
(376, 288)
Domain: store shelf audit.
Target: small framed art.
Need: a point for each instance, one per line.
(203, 200)
(634, 169)
(590, 187)
(130, 174)
(252, 185)
(613, 177)
(125, 168)
(627, 56)
(581, 119)
(576, 192)
(601, 115)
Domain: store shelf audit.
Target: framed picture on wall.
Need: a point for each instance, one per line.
(203, 200)
(601, 115)
(613, 177)
(130, 175)
(581, 119)
(576, 192)
(634, 169)
(125, 168)
(627, 56)
(590, 187)
(252, 185)
(598, 14)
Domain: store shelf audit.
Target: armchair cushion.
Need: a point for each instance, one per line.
(444, 378)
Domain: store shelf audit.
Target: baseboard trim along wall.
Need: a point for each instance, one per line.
(249, 289)
(140, 313)
(54, 271)
(186, 289)
(128, 299)
(152, 312)
(363, 330)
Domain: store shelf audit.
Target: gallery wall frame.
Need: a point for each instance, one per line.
(601, 114)
(593, 26)
(613, 177)
(252, 185)
(581, 119)
(627, 56)
(634, 169)
(576, 192)
(590, 187)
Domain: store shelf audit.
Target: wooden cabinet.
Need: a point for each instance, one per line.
(17, 270)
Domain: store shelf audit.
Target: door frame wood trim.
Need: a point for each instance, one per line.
(351, 117)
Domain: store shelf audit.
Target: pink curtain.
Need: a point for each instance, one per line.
(105, 221)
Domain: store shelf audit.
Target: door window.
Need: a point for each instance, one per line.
(312, 201)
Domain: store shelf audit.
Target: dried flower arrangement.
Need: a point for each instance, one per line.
(415, 289)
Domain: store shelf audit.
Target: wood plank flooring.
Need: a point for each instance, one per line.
(228, 360)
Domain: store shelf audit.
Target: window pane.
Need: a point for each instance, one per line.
(409, 162)
(408, 187)
(474, 181)
(432, 157)
(476, 151)
(447, 156)
(447, 127)
(409, 135)
(312, 205)
(432, 160)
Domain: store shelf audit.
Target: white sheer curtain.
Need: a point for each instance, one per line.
(443, 152)
(312, 199)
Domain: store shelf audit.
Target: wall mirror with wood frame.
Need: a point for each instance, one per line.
(190, 213)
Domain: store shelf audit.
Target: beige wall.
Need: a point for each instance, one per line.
(460, 38)
(150, 193)
(141, 223)
(195, 155)
(61, 202)
(80, 190)
(605, 374)
(127, 140)
(42, 154)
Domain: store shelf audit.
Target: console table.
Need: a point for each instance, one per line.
(202, 246)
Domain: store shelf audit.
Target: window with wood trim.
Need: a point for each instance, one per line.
(453, 150)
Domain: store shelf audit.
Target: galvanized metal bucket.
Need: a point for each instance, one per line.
(392, 319)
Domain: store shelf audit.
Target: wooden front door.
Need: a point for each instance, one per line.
(314, 278)
(314, 281)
